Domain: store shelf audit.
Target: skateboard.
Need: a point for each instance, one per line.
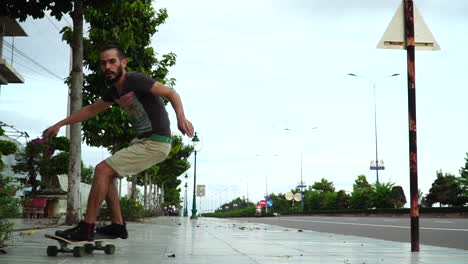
(79, 251)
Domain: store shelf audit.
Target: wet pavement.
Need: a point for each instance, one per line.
(210, 240)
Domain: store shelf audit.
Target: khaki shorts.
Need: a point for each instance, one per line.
(139, 156)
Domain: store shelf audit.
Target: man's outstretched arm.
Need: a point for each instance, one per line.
(84, 113)
(183, 124)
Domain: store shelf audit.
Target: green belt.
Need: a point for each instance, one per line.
(159, 138)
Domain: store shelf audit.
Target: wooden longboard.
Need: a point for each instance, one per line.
(79, 251)
(97, 239)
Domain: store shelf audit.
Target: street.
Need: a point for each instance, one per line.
(444, 232)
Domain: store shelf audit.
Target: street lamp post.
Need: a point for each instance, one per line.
(195, 141)
(301, 185)
(377, 167)
(185, 198)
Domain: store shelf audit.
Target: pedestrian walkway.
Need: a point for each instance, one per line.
(225, 241)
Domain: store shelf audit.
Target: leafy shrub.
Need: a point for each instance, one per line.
(131, 210)
(241, 212)
(9, 206)
(8, 202)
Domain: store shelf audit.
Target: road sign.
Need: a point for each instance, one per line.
(201, 190)
(394, 36)
(269, 203)
(262, 202)
(302, 186)
(289, 196)
(374, 166)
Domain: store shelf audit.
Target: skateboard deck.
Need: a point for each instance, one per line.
(79, 251)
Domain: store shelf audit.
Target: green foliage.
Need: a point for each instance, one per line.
(463, 179)
(8, 206)
(8, 202)
(131, 210)
(6, 148)
(45, 158)
(445, 191)
(235, 204)
(240, 212)
(330, 200)
(361, 195)
(21, 9)
(342, 199)
(382, 195)
(280, 204)
(323, 186)
(312, 200)
(168, 171)
(87, 174)
(398, 197)
(361, 183)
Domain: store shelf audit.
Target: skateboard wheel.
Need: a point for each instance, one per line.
(109, 249)
(89, 248)
(52, 251)
(78, 251)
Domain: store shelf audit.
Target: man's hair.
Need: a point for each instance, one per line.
(115, 46)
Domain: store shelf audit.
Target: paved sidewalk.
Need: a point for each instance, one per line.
(208, 240)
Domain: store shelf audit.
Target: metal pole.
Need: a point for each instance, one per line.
(185, 201)
(410, 49)
(266, 190)
(302, 190)
(194, 203)
(375, 132)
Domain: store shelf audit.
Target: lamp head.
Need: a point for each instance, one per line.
(195, 139)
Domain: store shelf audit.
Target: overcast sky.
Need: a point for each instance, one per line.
(247, 70)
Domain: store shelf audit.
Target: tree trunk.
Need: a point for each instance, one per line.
(150, 194)
(74, 167)
(134, 187)
(145, 195)
(156, 196)
(162, 194)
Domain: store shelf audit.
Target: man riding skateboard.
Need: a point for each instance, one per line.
(140, 97)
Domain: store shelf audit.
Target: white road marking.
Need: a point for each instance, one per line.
(443, 222)
(374, 225)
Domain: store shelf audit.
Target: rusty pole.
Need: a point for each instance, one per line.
(413, 153)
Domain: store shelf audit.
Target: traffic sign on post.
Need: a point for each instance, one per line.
(201, 190)
(394, 36)
(269, 203)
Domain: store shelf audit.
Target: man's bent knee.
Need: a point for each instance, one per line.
(103, 170)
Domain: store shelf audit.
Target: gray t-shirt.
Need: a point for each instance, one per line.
(147, 112)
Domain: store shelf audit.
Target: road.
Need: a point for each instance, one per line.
(444, 232)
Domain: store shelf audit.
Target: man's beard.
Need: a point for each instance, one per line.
(117, 76)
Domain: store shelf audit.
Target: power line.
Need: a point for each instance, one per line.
(27, 67)
(64, 18)
(31, 60)
(41, 74)
(53, 24)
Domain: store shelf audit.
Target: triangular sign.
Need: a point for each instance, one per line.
(394, 36)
